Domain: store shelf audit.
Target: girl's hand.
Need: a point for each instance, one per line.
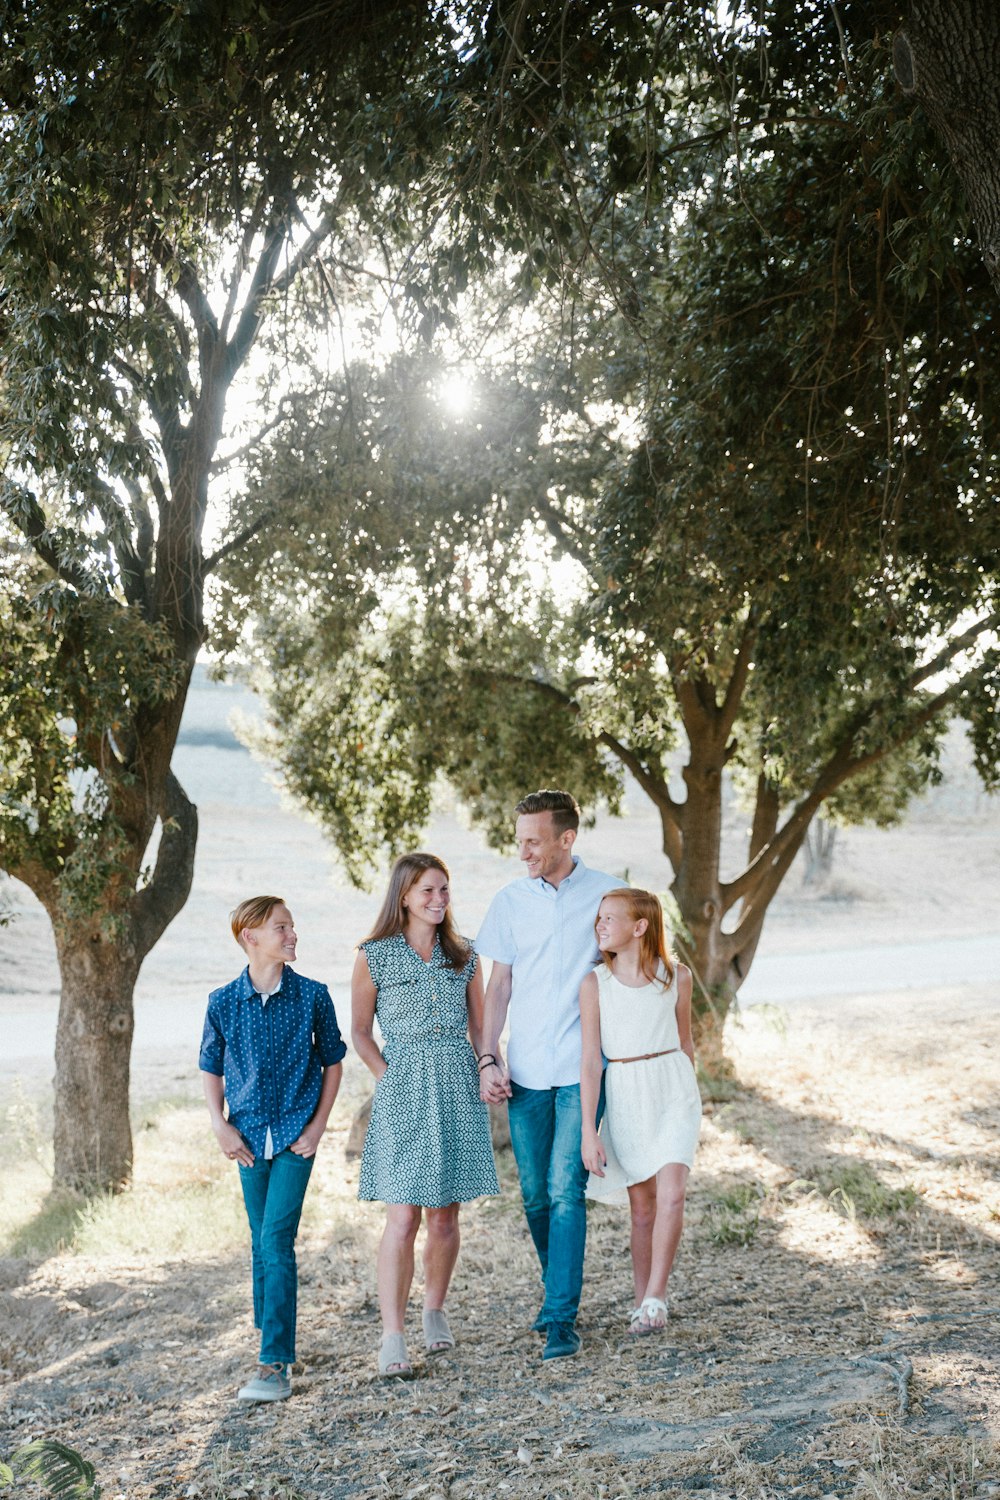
(595, 1158)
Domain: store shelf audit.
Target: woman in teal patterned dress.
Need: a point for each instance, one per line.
(428, 1146)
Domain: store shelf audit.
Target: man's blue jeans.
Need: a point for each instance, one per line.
(545, 1132)
(273, 1192)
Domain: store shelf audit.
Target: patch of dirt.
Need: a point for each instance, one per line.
(847, 1348)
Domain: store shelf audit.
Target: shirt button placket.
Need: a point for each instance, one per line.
(271, 1061)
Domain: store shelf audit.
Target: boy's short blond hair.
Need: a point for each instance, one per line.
(253, 912)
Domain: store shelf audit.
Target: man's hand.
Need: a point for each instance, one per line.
(494, 1084)
(308, 1141)
(595, 1158)
(232, 1144)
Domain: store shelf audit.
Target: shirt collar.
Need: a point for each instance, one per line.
(245, 986)
(543, 884)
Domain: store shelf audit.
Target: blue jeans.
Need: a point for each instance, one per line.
(273, 1192)
(545, 1132)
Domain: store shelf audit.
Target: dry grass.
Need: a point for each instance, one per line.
(842, 1347)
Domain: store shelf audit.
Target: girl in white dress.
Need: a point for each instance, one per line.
(636, 1010)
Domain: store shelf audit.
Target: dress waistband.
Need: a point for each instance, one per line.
(644, 1056)
(427, 1039)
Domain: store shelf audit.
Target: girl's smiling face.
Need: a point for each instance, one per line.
(614, 927)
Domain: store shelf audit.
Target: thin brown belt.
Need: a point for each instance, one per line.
(644, 1056)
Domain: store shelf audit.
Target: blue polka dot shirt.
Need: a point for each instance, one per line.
(271, 1055)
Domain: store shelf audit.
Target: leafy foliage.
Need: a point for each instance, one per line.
(63, 1472)
(767, 441)
(169, 175)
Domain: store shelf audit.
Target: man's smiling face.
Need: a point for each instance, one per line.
(544, 850)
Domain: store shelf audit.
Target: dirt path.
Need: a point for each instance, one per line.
(833, 1329)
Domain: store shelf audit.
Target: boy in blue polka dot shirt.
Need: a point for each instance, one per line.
(271, 1049)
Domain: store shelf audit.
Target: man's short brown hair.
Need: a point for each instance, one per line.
(563, 806)
(253, 912)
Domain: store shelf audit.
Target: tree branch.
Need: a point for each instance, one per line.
(842, 765)
(262, 285)
(653, 785)
(188, 286)
(656, 789)
(954, 648)
(738, 677)
(236, 542)
(32, 873)
(29, 518)
(156, 905)
(558, 526)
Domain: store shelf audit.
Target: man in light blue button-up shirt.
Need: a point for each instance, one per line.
(539, 932)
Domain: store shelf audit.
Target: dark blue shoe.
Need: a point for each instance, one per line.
(562, 1341)
(541, 1323)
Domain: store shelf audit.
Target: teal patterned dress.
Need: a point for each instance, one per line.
(428, 1140)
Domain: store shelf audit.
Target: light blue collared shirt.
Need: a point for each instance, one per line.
(546, 934)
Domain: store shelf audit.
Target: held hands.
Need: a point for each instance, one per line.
(595, 1158)
(232, 1144)
(494, 1083)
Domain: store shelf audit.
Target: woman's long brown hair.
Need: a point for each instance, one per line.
(392, 916)
(653, 942)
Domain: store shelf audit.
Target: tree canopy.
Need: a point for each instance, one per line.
(752, 256)
(169, 175)
(767, 443)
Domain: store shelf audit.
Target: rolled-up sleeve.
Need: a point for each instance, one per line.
(211, 1058)
(330, 1045)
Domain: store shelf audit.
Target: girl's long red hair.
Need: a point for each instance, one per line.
(653, 949)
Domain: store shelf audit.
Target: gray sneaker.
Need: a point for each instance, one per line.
(271, 1383)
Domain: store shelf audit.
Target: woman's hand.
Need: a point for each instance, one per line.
(595, 1158)
(494, 1083)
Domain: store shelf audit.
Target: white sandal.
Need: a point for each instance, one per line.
(650, 1308)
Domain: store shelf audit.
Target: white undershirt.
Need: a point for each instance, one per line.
(268, 1139)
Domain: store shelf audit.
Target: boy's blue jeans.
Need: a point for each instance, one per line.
(545, 1132)
(273, 1192)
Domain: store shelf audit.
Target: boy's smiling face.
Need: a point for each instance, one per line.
(274, 942)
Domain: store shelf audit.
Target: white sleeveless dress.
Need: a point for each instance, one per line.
(653, 1113)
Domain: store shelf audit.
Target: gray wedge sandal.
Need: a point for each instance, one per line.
(438, 1337)
(393, 1360)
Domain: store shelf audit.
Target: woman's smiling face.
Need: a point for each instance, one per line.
(428, 897)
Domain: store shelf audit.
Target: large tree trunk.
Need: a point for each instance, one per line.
(948, 55)
(697, 887)
(100, 956)
(93, 1134)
